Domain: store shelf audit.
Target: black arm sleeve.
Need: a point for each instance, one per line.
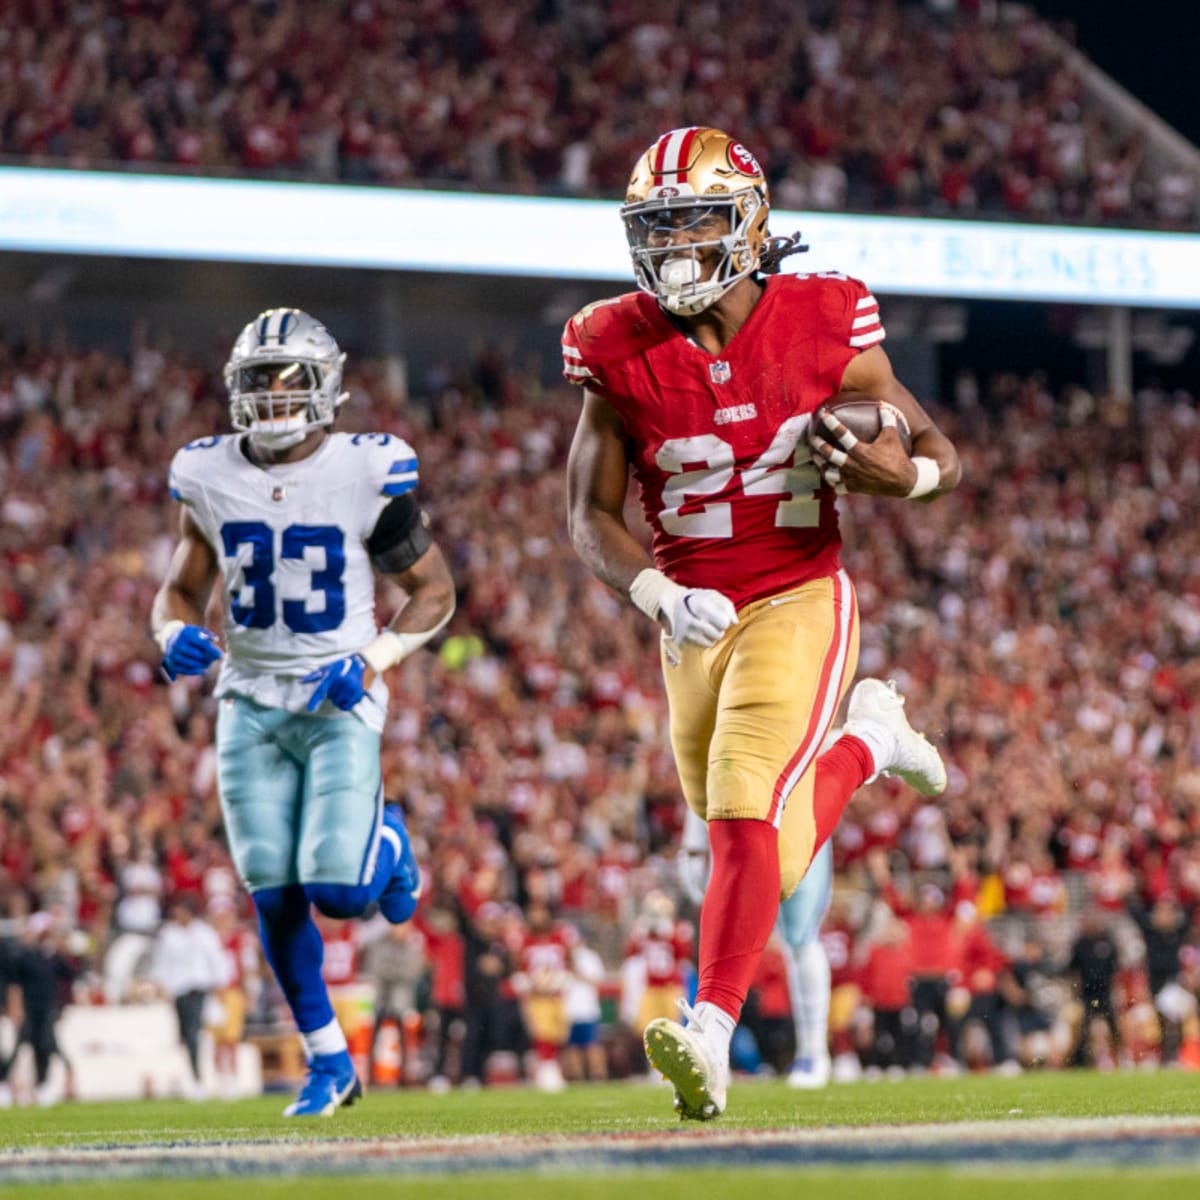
(400, 536)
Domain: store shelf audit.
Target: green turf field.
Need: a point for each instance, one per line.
(598, 1117)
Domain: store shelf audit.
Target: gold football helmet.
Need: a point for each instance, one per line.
(694, 179)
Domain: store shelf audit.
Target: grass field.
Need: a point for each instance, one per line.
(978, 1136)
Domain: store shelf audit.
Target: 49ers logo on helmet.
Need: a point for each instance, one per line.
(742, 160)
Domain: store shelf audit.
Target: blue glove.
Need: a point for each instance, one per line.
(340, 682)
(190, 651)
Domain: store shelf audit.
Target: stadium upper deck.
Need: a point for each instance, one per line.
(871, 107)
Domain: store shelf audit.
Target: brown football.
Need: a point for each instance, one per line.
(860, 414)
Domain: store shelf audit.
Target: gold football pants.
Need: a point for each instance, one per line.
(749, 714)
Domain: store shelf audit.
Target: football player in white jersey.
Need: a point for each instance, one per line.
(296, 520)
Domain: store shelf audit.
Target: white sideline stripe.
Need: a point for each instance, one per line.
(868, 339)
(1081, 1139)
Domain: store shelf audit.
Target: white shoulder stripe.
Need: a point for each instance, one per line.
(868, 339)
(868, 301)
(577, 372)
(571, 351)
(865, 320)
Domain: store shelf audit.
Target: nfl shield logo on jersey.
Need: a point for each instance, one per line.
(720, 372)
(278, 494)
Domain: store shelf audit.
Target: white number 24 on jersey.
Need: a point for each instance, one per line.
(785, 469)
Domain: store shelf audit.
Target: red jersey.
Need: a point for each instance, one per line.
(546, 959)
(340, 965)
(664, 951)
(719, 442)
(241, 955)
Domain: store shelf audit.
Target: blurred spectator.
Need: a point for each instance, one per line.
(1042, 1037)
(395, 964)
(1164, 929)
(768, 1011)
(229, 1003)
(43, 975)
(189, 965)
(1094, 962)
(445, 949)
(886, 989)
(583, 1055)
(978, 1032)
(493, 1015)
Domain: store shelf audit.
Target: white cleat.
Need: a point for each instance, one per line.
(810, 1074)
(876, 714)
(681, 1056)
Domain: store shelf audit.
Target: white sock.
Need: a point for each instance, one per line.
(878, 739)
(808, 989)
(718, 1027)
(329, 1039)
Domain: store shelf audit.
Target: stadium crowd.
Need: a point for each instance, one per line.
(963, 109)
(1045, 623)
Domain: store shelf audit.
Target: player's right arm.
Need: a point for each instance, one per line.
(177, 616)
(597, 477)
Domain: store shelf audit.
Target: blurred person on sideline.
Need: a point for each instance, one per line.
(189, 965)
(583, 1054)
(296, 520)
(43, 975)
(705, 382)
(1093, 964)
(226, 1011)
(396, 965)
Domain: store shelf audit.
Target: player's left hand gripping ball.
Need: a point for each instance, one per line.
(340, 682)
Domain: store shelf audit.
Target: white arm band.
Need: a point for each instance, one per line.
(167, 632)
(929, 478)
(652, 592)
(390, 647)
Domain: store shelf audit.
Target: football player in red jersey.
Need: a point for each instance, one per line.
(704, 382)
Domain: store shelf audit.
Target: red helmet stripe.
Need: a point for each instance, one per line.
(671, 153)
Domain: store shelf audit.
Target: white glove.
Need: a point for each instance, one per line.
(694, 616)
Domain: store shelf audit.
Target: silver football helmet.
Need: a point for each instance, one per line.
(284, 377)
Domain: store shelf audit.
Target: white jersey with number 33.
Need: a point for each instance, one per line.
(298, 588)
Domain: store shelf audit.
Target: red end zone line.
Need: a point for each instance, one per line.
(483, 1150)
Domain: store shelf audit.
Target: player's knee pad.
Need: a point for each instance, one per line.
(735, 791)
(260, 864)
(333, 854)
(338, 900)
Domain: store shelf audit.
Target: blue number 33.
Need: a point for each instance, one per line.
(258, 610)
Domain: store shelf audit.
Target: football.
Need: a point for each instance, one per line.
(860, 414)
